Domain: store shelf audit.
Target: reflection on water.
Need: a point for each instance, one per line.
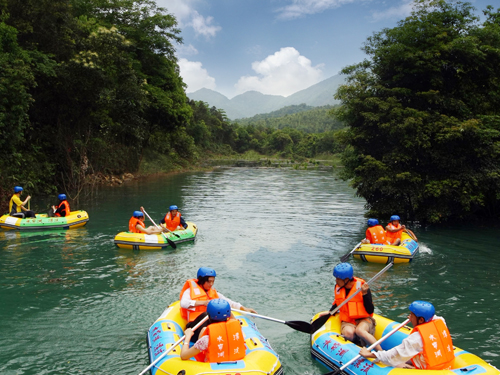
(273, 236)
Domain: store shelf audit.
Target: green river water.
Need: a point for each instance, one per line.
(73, 303)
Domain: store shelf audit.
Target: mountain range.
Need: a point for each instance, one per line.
(252, 103)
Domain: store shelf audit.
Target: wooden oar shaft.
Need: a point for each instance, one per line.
(172, 347)
(372, 346)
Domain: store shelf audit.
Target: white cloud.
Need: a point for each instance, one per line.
(181, 9)
(187, 16)
(283, 73)
(301, 8)
(195, 76)
(183, 50)
(399, 12)
(202, 25)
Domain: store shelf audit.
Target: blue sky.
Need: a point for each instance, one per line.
(277, 47)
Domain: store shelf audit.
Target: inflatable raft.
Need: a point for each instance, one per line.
(142, 241)
(260, 358)
(75, 219)
(332, 350)
(375, 253)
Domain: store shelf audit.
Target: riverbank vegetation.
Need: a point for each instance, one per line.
(424, 116)
(91, 89)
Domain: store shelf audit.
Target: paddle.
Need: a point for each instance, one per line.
(295, 324)
(318, 323)
(335, 372)
(170, 242)
(411, 234)
(346, 256)
(173, 346)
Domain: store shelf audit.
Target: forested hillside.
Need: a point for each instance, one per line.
(301, 117)
(91, 88)
(424, 116)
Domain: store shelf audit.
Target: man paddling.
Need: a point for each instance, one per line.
(428, 347)
(355, 315)
(16, 206)
(197, 293)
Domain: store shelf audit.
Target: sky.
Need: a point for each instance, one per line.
(277, 47)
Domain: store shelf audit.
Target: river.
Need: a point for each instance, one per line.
(73, 303)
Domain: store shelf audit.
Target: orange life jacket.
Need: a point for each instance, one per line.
(376, 234)
(225, 342)
(392, 236)
(197, 293)
(133, 223)
(354, 309)
(66, 207)
(438, 346)
(172, 224)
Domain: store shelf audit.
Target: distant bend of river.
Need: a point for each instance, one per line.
(73, 303)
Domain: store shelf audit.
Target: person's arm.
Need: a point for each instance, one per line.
(188, 303)
(367, 300)
(61, 210)
(26, 200)
(186, 351)
(236, 305)
(183, 223)
(399, 355)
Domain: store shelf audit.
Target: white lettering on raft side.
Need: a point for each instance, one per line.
(151, 238)
(11, 220)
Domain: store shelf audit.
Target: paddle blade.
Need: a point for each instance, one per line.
(176, 235)
(318, 323)
(299, 326)
(170, 242)
(345, 257)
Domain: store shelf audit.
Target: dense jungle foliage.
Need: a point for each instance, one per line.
(90, 88)
(424, 116)
(301, 117)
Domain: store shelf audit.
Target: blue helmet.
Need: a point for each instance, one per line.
(138, 214)
(17, 189)
(173, 207)
(62, 197)
(422, 309)
(205, 271)
(372, 222)
(395, 217)
(218, 310)
(343, 271)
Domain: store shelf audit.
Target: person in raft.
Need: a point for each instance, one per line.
(356, 315)
(196, 295)
(173, 219)
(136, 224)
(375, 233)
(62, 209)
(16, 206)
(393, 231)
(429, 345)
(220, 341)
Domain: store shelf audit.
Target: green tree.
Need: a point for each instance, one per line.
(423, 113)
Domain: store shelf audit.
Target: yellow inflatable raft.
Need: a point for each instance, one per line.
(260, 358)
(75, 219)
(386, 254)
(332, 350)
(142, 241)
